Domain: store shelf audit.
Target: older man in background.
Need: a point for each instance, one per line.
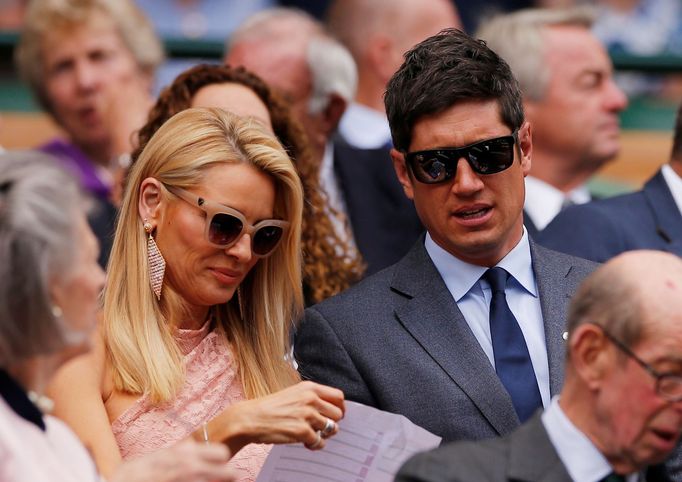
(293, 53)
(646, 219)
(570, 100)
(378, 33)
(620, 410)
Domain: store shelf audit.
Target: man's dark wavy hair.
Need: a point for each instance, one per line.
(445, 69)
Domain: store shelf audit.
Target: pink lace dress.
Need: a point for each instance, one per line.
(211, 385)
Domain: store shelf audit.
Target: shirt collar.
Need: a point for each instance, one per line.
(17, 399)
(365, 128)
(674, 184)
(460, 276)
(580, 456)
(544, 201)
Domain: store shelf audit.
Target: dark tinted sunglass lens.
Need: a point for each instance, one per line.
(432, 167)
(492, 156)
(266, 238)
(224, 229)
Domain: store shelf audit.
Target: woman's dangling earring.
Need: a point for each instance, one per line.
(155, 261)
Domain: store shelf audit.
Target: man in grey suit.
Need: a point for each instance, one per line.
(620, 410)
(463, 350)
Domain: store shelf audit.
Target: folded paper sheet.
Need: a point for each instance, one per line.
(371, 446)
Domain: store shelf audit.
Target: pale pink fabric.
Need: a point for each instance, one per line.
(29, 454)
(211, 385)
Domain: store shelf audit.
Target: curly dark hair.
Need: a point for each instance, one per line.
(330, 265)
(442, 70)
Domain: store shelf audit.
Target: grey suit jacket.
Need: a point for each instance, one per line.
(527, 455)
(398, 342)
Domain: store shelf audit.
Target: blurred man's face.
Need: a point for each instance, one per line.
(578, 117)
(284, 69)
(475, 217)
(641, 428)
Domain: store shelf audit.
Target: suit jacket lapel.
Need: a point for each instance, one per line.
(665, 212)
(532, 456)
(555, 287)
(433, 319)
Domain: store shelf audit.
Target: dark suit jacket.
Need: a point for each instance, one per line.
(647, 219)
(398, 342)
(384, 222)
(525, 455)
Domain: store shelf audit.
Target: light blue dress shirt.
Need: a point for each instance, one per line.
(472, 295)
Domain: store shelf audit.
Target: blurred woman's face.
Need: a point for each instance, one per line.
(233, 97)
(77, 294)
(90, 76)
(201, 273)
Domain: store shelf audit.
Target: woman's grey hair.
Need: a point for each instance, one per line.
(39, 205)
(517, 38)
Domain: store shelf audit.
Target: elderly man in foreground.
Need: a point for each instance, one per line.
(620, 410)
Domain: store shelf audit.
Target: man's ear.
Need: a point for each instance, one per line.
(525, 147)
(591, 355)
(331, 115)
(150, 200)
(402, 172)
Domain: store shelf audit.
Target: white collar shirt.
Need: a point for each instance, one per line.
(473, 294)
(365, 128)
(582, 460)
(544, 201)
(674, 183)
(330, 185)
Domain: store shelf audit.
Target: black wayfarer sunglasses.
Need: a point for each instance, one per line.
(490, 156)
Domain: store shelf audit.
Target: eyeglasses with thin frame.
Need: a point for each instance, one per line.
(225, 225)
(668, 385)
(490, 156)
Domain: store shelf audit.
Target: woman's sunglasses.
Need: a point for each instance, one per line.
(484, 157)
(225, 225)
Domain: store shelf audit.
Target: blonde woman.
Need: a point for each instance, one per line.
(204, 283)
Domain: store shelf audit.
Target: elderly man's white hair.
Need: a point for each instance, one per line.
(517, 38)
(332, 68)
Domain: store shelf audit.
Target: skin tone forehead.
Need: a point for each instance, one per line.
(233, 97)
(573, 50)
(461, 129)
(658, 279)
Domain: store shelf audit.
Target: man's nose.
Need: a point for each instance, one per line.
(614, 98)
(466, 181)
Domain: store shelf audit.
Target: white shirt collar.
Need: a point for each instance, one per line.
(544, 201)
(674, 183)
(582, 459)
(460, 276)
(365, 128)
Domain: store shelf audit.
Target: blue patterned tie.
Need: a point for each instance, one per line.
(512, 360)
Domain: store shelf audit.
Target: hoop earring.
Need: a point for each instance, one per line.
(155, 262)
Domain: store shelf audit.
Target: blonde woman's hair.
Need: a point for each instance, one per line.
(138, 329)
(46, 16)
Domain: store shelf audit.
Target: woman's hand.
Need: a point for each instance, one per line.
(306, 412)
(187, 460)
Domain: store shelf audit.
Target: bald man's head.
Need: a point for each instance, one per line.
(631, 295)
(379, 32)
